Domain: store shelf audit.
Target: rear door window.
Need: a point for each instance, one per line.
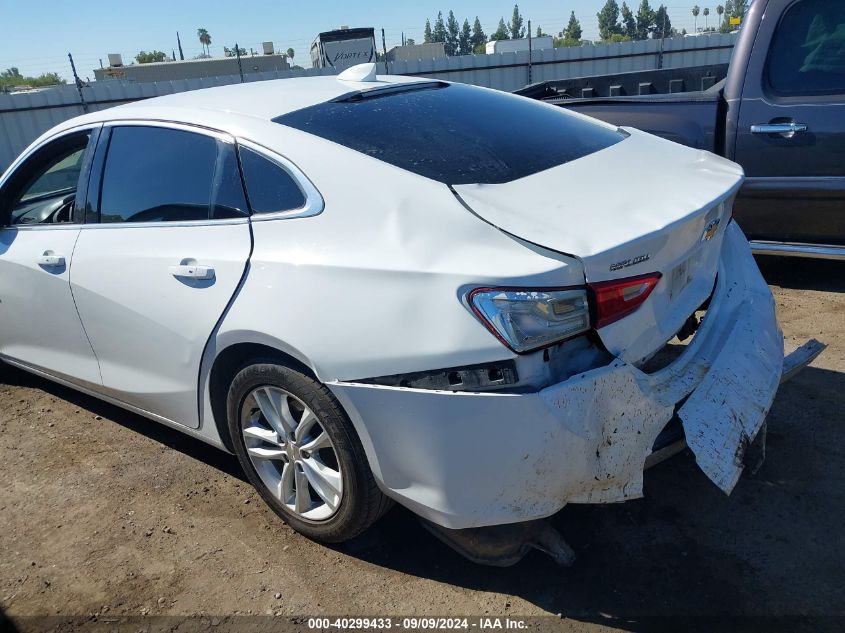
(453, 133)
(270, 187)
(807, 54)
(157, 174)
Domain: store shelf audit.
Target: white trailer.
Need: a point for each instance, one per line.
(513, 46)
(343, 48)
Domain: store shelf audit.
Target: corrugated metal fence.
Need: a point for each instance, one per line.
(23, 117)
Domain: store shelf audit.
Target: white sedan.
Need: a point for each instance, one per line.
(374, 289)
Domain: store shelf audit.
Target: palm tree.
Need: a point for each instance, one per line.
(720, 10)
(695, 12)
(706, 13)
(289, 53)
(205, 40)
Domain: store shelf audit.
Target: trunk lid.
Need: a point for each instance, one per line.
(640, 206)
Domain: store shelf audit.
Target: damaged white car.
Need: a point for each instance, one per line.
(374, 289)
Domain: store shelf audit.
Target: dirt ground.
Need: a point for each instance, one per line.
(103, 512)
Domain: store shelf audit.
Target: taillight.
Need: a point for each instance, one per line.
(528, 319)
(619, 298)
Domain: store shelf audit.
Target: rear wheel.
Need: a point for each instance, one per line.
(301, 453)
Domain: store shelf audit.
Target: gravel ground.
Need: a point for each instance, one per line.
(103, 512)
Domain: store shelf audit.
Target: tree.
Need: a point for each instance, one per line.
(719, 11)
(427, 32)
(517, 30)
(439, 34)
(562, 42)
(695, 11)
(609, 20)
(740, 8)
(501, 31)
(410, 41)
(452, 34)
(726, 26)
(12, 77)
(645, 20)
(465, 39)
(153, 56)
(733, 9)
(205, 40)
(479, 38)
(573, 29)
(629, 22)
(662, 23)
(290, 53)
(231, 52)
(540, 31)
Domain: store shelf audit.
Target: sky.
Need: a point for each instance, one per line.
(38, 34)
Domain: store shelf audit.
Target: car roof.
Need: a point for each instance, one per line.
(258, 99)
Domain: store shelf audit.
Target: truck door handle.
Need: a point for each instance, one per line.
(192, 271)
(51, 260)
(786, 130)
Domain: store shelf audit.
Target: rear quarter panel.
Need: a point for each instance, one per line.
(374, 285)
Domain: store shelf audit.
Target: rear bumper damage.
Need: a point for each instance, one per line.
(463, 460)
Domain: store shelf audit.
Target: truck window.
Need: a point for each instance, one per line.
(807, 54)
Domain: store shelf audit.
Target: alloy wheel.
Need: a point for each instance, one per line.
(292, 453)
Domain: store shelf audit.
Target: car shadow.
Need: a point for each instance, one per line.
(6, 623)
(683, 556)
(165, 435)
(803, 274)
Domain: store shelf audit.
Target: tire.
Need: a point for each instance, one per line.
(330, 494)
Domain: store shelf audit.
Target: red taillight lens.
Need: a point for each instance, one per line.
(619, 298)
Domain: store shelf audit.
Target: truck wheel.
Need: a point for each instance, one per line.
(299, 450)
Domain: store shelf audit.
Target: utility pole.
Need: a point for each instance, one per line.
(240, 67)
(662, 37)
(529, 51)
(179, 42)
(78, 83)
(384, 52)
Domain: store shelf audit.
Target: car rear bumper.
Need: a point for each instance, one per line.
(475, 459)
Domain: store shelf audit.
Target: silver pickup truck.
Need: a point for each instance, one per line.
(779, 112)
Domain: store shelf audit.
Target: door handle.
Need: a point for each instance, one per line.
(786, 130)
(192, 271)
(51, 260)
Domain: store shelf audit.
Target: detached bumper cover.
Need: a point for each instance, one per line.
(469, 460)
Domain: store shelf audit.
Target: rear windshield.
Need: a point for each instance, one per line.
(454, 133)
